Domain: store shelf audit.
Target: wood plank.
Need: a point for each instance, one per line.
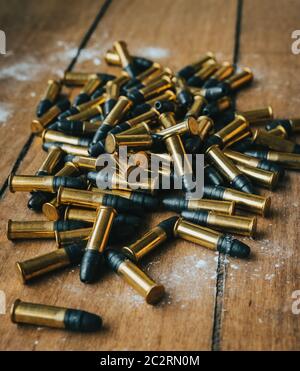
(42, 38)
(257, 311)
(177, 32)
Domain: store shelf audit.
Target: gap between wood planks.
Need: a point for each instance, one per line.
(70, 67)
(221, 269)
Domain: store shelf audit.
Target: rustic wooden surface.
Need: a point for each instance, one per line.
(213, 302)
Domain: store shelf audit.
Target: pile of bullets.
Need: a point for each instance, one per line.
(157, 115)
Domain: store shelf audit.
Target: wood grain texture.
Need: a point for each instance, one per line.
(42, 38)
(257, 310)
(177, 32)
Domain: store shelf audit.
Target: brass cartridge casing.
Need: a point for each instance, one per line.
(224, 103)
(43, 264)
(28, 183)
(101, 228)
(38, 314)
(88, 163)
(51, 161)
(113, 87)
(240, 79)
(254, 203)
(295, 124)
(203, 236)
(70, 196)
(112, 58)
(38, 125)
(139, 281)
(205, 125)
(233, 130)
(148, 116)
(234, 224)
(53, 90)
(86, 114)
(120, 48)
(168, 95)
(145, 244)
(156, 87)
(262, 177)
(92, 103)
(241, 158)
(274, 142)
(207, 69)
(279, 131)
(74, 150)
(288, 160)
(258, 115)
(223, 207)
(77, 78)
(139, 141)
(138, 129)
(207, 57)
(197, 106)
(52, 316)
(175, 147)
(91, 85)
(57, 136)
(30, 229)
(225, 70)
(67, 237)
(150, 73)
(74, 213)
(223, 163)
(121, 107)
(190, 125)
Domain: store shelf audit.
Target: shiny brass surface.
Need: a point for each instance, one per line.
(150, 115)
(258, 115)
(223, 163)
(231, 223)
(138, 129)
(51, 161)
(233, 130)
(273, 142)
(42, 264)
(238, 80)
(74, 150)
(112, 58)
(76, 197)
(139, 281)
(101, 228)
(37, 314)
(203, 236)
(38, 125)
(205, 126)
(86, 114)
(92, 103)
(67, 237)
(288, 160)
(74, 213)
(120, 48)
(197, 106)
(150, 73)
(207, 69)
(138, 141)
(57, 136)
(207, 57)
(224, 103)
(241, 158)
(77, 78)
(53, 90)
(81, 162)
(91, 85)
(121, 107)
(52, 210)
(29, 229)
(156, 87)
(148, 242)
(29, 183)
(190, 126)
(262, 177)
(168, 95)
(254, 203)
(225, 70)
(223, 207)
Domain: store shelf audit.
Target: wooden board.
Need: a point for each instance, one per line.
(257, 303)
(42, 39)
(212, 302)
(185, 319)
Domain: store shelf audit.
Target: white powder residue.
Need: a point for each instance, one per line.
(28, 69)
(5, 113)
(201, 264)
(153, 52)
